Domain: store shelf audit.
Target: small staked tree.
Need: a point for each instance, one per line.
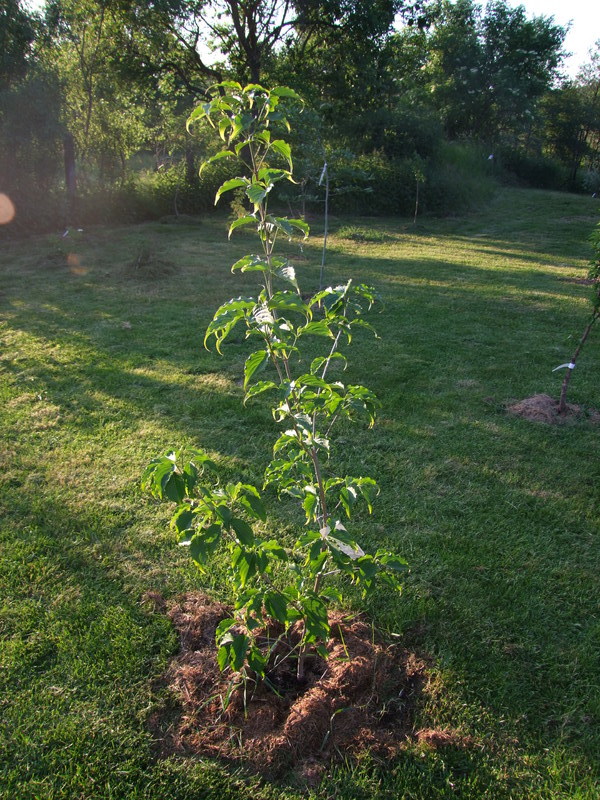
(594, 276)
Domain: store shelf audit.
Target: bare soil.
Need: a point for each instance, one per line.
(543, 408)
(361, 697)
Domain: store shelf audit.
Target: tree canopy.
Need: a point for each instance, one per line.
(388, 84)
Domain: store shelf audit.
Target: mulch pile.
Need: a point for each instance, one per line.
(543, 408)
(148, 266)
(362, 697)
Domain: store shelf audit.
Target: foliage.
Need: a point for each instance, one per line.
(117, 79)
(99, 108)
(531, 169)
(17, 32)
(571, 121)
(488, 68)
(272, 581)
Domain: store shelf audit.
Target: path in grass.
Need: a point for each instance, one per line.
(498, 517)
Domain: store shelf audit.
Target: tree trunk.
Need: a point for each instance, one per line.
(70, 178)
(191, 173)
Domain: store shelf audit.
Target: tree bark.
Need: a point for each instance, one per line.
(70, 177)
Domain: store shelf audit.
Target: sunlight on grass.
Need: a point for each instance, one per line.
(498, 517)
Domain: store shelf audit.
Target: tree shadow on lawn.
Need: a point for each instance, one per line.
(109, 646)
(212, 411)
(157, 370)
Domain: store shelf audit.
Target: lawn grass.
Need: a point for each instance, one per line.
(498, 517)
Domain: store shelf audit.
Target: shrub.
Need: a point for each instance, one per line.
(458, 180)
(538, 171)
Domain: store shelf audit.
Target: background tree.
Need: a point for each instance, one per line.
(488, 68)
(17, 33)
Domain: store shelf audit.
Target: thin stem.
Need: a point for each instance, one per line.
(323, 374)
(562, 403)
(326, 228)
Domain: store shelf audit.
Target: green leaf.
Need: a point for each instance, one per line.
(254, 87)
(226, 318)
(308, 538)
(254, 506)
(276, 606)
(254, 363)
(392, 561)
(229, 85)
(156, 474)
(318, 328)
(239, 223)
(217, 157)
(233, 183)
(317, 557)
(368, 489)
(246, 566)
(263, 136)
(199, 457)
(256, 660)
(224, 513)
(310, 502)
(204, 543)
(362, 323)
(284, 440)
(243, 531)
(270, 175)
(251, 264)
(315, 618)
(259, 388)
(320, 361)
(287, 273)
(288, 301)
(223, 627)
(282, 147)
(301, 225)
(333, 594)
(222, 657)
(223, 125)
(274, 549)
(367, 567)
(348, 498)
(256, 193)
(238, 125)
(173, 486)
(182, 521)
(198, 113)
(285, 91)
(239, 647)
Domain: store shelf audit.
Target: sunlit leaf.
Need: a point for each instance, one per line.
(233, 183)
(254, 363)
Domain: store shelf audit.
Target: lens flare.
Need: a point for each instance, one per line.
(7, 209)
(74, 265)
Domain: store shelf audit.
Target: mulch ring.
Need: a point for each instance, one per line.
(362, 697)
(148, 266)
(543, 408)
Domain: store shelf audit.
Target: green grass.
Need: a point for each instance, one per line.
(498, 517)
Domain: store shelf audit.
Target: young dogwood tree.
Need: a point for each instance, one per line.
(270, 579)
